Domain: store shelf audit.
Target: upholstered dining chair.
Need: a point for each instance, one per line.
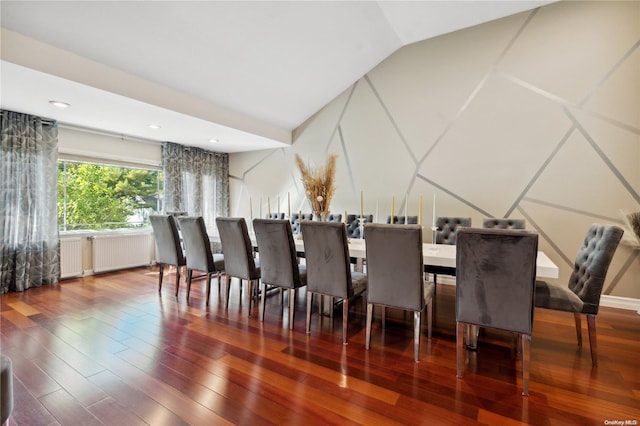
(400, 220)
(446, 233)
(276, 216)
(495, 284)
(334, 217)
(239, 260)
(396, 280)
(295, 221)
(582, 295)
(504, 223)
(353, 224)
(168, 247)
(328, 268)
(198, 249)
(278, 261)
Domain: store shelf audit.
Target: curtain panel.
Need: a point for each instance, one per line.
(196, 181)
(30, 253)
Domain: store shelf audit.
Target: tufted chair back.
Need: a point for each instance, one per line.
(278, 216)
(504, 223)
(399, 220)
(353, 228)
(592, 264)
(334, 217)
(295, 221)
(447, 228)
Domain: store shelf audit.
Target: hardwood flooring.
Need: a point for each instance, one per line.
(110, 349)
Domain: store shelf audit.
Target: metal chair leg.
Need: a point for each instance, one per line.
(593, 339)
(526, 361)
(578, 321)
(416, 335)
(345, 317)
(309, 303)
(292, 294)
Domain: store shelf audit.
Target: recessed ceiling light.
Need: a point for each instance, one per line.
(213, 140)
(60, 104)
(154, 126)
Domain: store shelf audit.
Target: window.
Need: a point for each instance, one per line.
(98, 196)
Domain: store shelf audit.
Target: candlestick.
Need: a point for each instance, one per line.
(289, 205)
(434, 209)
(361, 204)
(406, 209)
(420, 211)
(393, 208)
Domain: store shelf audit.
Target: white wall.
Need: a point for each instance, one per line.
(533, 116)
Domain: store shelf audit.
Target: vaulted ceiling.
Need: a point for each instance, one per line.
(241, 73)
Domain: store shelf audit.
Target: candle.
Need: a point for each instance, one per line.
(434, 209)
(346, 222)
(250, 210)
(278, 214)
(361, 204)
(406, 208)
(300, 216)
(393, 208)
(420, 211)
(289, 204)
(269, 207)
(260, 209)
(377, 218)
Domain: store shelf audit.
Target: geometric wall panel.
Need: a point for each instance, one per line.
(535, 116)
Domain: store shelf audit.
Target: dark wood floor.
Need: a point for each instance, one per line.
(110, 349)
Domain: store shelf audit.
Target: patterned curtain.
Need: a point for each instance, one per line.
(196, 181)
(30, 253)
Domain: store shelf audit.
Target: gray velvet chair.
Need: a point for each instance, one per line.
(168, 247)
(328, 268)
(504, 223)
(446, 233)
(239, 261)
(399, 220)
(198, 250)
(448, 227)
(278, 261)
(295, 221)
(276, 216)
(396, 280)
(353, 224)
(582, 295)
(495, 284)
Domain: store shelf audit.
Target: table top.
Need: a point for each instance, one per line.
(444, 255)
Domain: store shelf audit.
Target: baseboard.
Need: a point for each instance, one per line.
(620, 303)
(87, 272)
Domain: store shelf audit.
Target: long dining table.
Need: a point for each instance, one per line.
(443, 257)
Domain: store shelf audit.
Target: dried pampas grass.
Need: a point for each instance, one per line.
(319, 184)
(632, 231)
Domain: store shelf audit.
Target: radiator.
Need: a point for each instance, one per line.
(112, 252)
(70, 257)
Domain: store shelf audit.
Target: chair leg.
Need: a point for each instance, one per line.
(526, 361)
(384, 317)
(262, 301)
(576, 317)
(209, 286)
(228, 289)
(460, 328)
(416, 335)
(593, 339)
(429, 318)
(178, 281)
(292, 311)
(368, 326)
(250, 291)
(160, 276)
(309, 303)
(189, 277)
(177, 278)
(345, 317)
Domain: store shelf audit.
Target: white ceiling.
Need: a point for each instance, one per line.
(245, 73)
